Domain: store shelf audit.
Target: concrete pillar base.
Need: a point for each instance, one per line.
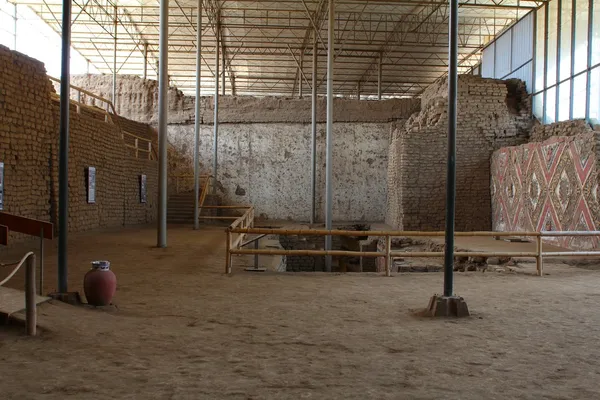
(447, 306)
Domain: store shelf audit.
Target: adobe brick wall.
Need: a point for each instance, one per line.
(29, 124)
(487, 120)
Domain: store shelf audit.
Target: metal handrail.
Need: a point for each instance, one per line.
(30, 306)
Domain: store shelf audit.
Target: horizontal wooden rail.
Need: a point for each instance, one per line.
(238, 228)
(336, 232)
(567, 233)
(229, 207)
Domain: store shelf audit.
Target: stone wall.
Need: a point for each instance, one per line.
(29, 115)
(137, 99)
(416, 178)
(268, 166)
(550, 185)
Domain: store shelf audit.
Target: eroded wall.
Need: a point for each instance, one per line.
(550, 185)
(29, 121)
(416, 179)
(268, 166)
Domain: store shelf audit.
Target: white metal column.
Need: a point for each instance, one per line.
(197, 118)
(329, 145)
(163, 102)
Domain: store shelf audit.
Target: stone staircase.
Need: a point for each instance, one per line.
(180, 207)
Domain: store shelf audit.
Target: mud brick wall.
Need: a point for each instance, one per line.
(26, 126)
(487, 120)
(29, 125)
(550, 185)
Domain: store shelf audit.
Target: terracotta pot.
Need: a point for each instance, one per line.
(99, 284)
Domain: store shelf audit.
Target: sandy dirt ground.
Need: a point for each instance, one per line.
(183, 330)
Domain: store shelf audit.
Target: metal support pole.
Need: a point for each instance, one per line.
(163, 103)
(590, 53)
(313, 141)
(114, 82)
(63, 152)
(197, 119)
(451, 177)
(329, 146)
(41, 261)
(379, 76)
(15, 27)
(145, 60)
(216, 117)
(222, 67)
(30, 306)
(358, 91)
(300, 75)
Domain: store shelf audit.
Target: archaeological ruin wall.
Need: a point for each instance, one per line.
(265, 147)
(29, 125)
(551, 184)
(491, 114)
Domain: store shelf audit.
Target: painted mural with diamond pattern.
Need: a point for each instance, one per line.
(550, 185)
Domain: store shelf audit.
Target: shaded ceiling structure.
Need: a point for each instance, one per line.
(267, 46)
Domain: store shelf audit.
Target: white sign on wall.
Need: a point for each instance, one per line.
(91, 185)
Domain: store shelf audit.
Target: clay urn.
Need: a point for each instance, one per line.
(99, 284)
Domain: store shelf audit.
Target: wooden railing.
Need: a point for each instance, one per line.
(236, 231)
(142, 146)
(185, 182)
(108, 105)
(30, 304)
(234, 246)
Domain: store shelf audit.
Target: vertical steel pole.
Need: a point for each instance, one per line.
(114, 82)
(300, 88)
(63, 152)
(588, 88)
(223, 64)
(216, 117)
(197, 118)
(358, 91)
(163, 103)
(145, 60)
(15, 27)
(558, 57)
(379, 76)
(329, 145)
(313, 141)
(451, 178)
(572, 66)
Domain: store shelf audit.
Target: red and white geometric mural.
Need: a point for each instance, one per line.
(550, 186)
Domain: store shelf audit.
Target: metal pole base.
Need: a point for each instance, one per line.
(447, 306)
(72, 298)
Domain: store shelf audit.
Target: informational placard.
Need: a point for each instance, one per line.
(142, 188)
(91, 185)
(1, 186)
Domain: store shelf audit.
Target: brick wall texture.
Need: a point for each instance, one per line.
(550, 185)
(29, 125)
(491, 114)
